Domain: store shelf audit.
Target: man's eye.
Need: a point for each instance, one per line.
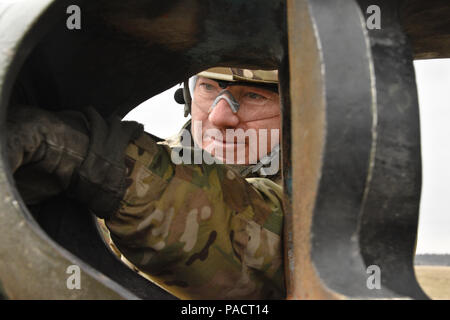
(255, 96)
(207, 86)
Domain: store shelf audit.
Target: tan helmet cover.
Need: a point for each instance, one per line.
(236, 74)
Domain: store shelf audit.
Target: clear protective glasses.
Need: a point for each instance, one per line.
(249, 102)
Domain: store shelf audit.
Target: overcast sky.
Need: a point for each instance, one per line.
(163, 117)
(433, 83)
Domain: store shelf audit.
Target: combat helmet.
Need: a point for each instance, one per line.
(226, 77)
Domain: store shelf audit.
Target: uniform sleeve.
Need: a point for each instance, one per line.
(199, 231)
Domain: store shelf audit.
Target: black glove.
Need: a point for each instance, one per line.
(76, 152)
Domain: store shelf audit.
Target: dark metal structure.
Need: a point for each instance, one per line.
(351, 147)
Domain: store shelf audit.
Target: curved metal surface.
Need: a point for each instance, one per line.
(354, 152)
(32, 266)
(126, 52)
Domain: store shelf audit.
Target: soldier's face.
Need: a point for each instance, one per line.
(254, 128)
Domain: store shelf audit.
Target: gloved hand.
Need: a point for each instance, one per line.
(76, 152)
(47, 147)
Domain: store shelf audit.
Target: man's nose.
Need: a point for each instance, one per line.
(223, 116)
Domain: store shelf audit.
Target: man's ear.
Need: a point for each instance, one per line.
(179, 96)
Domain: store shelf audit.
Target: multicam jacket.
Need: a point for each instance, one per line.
(199, 231)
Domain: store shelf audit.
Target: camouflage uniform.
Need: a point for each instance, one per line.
(199, 231)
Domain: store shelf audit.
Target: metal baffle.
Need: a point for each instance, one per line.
(352, 166)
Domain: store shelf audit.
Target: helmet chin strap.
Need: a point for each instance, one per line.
(228, 97)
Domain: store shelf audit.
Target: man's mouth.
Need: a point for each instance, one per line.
(225, 144)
